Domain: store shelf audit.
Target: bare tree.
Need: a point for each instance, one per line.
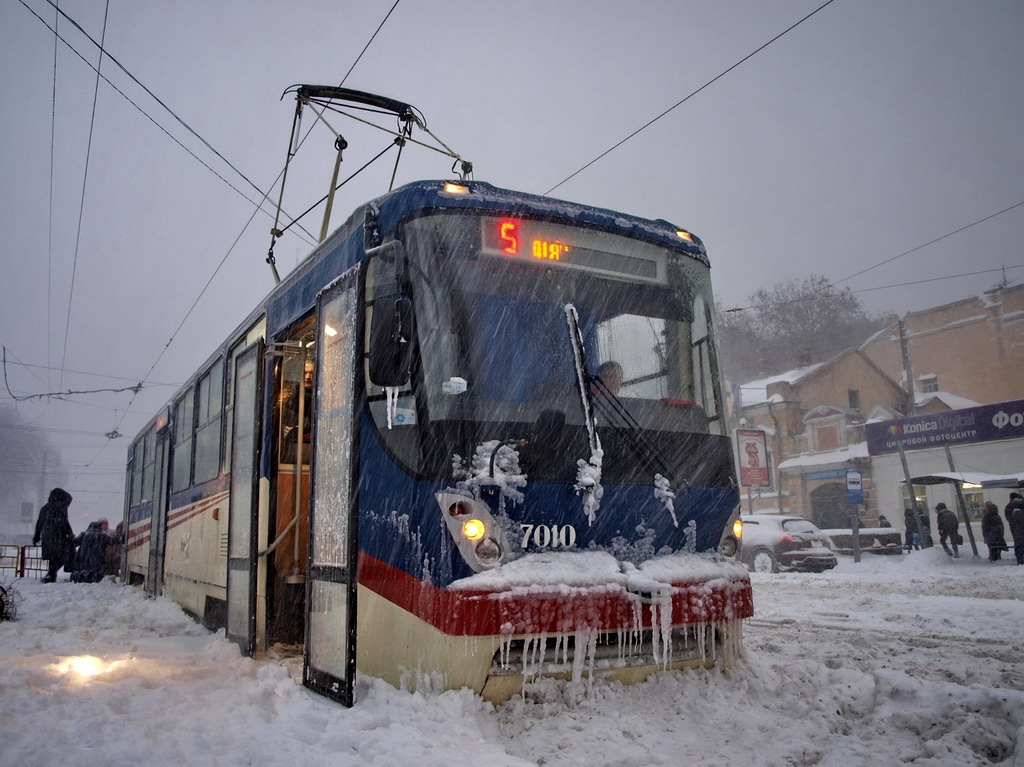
(790, 325)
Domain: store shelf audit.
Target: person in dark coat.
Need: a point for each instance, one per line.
(114, 551)
(910, 530)
(1017, 528)
(1015, 502)
(992, 532)
(948, 526)
(54, 532)
(90, 562)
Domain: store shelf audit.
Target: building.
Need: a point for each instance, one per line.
(813, 419)
(960, 356)
(982, 440)
(972, 348)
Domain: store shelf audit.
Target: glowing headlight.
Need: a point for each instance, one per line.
(737, 528)
(473, 529)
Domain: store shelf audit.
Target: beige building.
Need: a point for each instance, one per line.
(813, 418)
(972, 348)
(962, 354)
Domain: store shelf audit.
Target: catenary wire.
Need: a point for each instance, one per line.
(81, 203)
(679, 103)
(265, 195)
(931, 242)
(308, 237)
(49, 245)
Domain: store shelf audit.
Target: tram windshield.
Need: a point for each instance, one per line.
(495, 345)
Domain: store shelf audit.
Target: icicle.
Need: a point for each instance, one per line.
(664, 493)
(588, 484)
(690, 537)
(392, 399)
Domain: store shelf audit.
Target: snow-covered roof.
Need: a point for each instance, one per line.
(952, 401)
(843, 455)
(756, 392)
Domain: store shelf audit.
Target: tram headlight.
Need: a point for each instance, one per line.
(737, 529)
(488, 552)
(452, 187)
(473, 529)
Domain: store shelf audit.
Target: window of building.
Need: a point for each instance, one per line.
(929, 383)
(183, 423)
(854, 397)
(826, 437)
(209, 407)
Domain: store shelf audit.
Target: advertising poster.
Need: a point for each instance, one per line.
(752, 449)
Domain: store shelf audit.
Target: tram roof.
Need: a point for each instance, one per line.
(483, 196)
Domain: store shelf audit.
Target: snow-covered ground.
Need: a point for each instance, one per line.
(915, 659)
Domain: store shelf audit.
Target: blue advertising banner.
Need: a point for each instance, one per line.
(1004, 420)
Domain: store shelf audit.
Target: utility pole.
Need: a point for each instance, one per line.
(908, 370)
(922, 520)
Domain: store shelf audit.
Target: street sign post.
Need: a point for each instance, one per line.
(854, 498)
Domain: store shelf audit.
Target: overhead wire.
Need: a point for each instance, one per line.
(309, 237)
(682, 101)
(822, 293)
(259, 207)
(930, 242)
(81, 204)
(49, 243)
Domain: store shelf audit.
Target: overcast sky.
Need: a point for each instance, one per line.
(868, 130)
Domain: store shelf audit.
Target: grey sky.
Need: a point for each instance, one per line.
(868, 130)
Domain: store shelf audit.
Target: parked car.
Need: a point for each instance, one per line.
(774, 542)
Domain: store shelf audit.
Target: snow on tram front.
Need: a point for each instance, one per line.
(546, 485)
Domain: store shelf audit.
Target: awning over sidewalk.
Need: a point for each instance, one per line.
(970, 477)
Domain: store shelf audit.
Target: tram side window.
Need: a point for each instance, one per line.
(705, 366)
(182, 472)
(149, 466)
(209, 407)
(136, 469)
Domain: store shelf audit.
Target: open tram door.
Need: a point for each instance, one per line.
(329, 662)
(246, 425)
(158, 522)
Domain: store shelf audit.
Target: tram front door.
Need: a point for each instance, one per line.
(330, 647)
(243, 503)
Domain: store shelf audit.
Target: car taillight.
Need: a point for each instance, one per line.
(786, 538)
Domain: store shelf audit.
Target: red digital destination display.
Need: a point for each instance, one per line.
(509, 234)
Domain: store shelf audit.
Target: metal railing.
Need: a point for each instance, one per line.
(23, 561)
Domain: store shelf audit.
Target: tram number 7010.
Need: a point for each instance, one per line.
(548, 536)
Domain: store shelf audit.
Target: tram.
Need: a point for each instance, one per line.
(476, 437)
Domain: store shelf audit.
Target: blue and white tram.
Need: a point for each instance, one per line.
(477, 436)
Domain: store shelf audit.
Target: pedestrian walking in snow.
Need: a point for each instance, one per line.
(1017, 528)
(992, 532)
(54, 532)
(948, 529)
(883, 521)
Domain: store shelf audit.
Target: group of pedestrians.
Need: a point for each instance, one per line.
(993, 531)
(89, 556)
